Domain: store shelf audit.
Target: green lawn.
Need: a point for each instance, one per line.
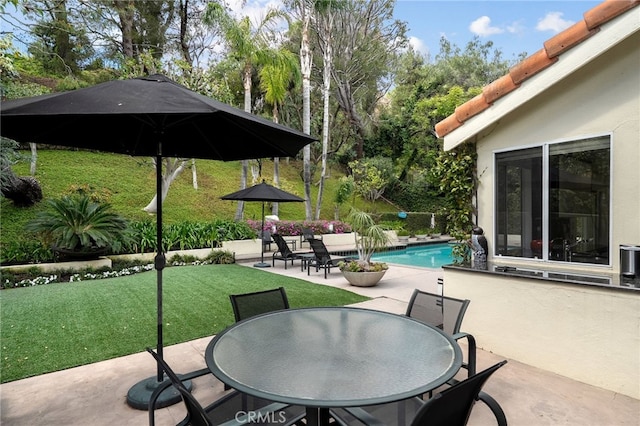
(52, 327)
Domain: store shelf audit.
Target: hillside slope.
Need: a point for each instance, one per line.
(128, 184)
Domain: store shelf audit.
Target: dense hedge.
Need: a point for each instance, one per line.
(415, 222)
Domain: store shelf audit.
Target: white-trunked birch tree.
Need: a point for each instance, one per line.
(172, 169)
(323, 24)
(304, 10)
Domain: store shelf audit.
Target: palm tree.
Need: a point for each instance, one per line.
(251, 48)
(274, 81)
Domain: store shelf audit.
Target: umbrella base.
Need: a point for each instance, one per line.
(139, 395)
(261, 265)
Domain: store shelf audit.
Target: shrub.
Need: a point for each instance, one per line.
(34, 275)
(78, 224)
(186, 235)
(402, 232)
(221, 257)
(217, 257)
(294, 228)
(361, 266)
(25, 251)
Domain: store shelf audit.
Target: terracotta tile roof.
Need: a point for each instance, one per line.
(537, 62)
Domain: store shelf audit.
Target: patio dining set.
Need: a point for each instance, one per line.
(337, 366)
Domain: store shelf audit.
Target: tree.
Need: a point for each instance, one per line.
(424, 94)
(342, 194)
(274, 81)
(475, 66)
(250, 47)
(61, 46)
(367, 41)
(172, 169)
(324, 29)
(23, 191)
(372, 176)
(304, 10)
(143, 26)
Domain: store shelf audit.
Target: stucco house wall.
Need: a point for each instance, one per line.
(590, 334)
(584, 331)
(601, 98)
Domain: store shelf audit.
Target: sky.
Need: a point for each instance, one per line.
(512, 26)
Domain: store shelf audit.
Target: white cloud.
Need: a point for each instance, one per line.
(516, 28)
(553, 22)
(254, 9)
(482, 27)
(419, 46)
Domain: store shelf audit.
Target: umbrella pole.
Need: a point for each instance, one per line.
(140, 393)
(159, 263)
(262, 263)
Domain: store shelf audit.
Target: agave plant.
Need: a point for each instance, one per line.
(369, 237)
(75, 223)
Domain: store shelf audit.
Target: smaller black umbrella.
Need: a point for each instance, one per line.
(263, 192)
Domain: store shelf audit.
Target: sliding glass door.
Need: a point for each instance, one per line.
(553, 201)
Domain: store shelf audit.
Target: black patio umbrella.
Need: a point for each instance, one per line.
(265, 193)
(148, 116)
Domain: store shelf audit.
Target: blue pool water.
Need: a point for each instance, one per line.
(425, 256)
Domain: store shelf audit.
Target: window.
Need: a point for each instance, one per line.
(553, 201)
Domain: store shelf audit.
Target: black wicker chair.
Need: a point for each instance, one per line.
(267, 240)
(259, 302)
(283, 253)
(323, 259)
(451, 407)
(229, 410)
(247, 305)
(307, 234)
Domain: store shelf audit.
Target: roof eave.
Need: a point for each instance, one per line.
(610, 35)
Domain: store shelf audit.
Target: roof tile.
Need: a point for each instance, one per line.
(531, 66)
(499, 88)
(535, 63)
(471, 108)
(568, 38)
(606, 11)
(447, 125)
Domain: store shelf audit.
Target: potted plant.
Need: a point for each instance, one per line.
(369, 237)
(403, 235)
(421, 234)
(79, 228)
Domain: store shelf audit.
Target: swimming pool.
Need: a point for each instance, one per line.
(424, 256)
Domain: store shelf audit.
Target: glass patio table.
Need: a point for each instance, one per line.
(331, 357)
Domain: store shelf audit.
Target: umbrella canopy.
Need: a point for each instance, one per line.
(265, 193)
(134, 116)
(148, 116)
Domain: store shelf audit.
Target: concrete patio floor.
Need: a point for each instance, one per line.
(95, 394)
